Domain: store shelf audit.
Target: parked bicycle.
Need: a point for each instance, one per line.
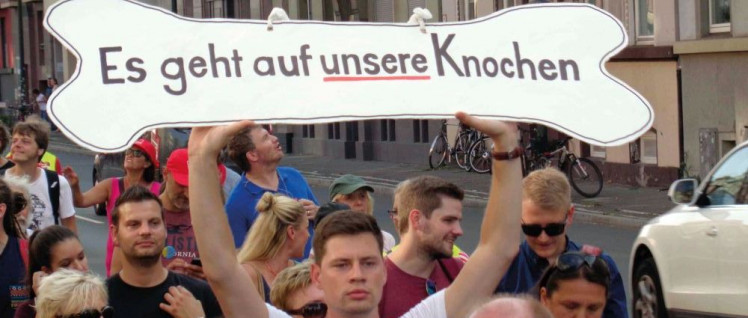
(584, 175)
(441, 152)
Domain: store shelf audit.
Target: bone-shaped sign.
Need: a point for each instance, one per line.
(141, 67)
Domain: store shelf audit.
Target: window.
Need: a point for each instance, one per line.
(644, 21)
(597, 151)
(421, 131)
(333, 131)
(729, 184)
(307, 131)
(4, 43)
(719, 16)
(503, 4)
(387, 129)
(648, 145)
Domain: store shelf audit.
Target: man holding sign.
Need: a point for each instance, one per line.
(258, 153)
(348, 265)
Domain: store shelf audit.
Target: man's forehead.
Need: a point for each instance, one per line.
(140, 209)
(351, 247)
(530, 209)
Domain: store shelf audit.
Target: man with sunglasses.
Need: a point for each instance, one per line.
(349, 266)
(547, 212)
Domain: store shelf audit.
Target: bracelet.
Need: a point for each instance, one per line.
(509, 155)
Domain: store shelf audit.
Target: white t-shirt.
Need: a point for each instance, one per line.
(42, 101)
(389, 241)
(41, 206)
(434, 306)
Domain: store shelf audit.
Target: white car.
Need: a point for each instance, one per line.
(693, 260)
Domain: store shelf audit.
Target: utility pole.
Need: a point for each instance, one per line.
(22, 86)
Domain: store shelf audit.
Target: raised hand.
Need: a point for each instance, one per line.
(207, 142)
(71, 176)
(501, 132)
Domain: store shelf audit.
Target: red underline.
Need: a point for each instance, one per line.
(374, 78)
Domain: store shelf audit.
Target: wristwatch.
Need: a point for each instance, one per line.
(509, 155)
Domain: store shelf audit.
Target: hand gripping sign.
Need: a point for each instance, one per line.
(141, 67)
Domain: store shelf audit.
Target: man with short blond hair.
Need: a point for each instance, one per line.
(547, 212)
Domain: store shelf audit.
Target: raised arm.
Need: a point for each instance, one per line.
(98, 194)
(233, 288)
(500, 230)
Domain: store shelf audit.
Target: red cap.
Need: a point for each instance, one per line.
(147, 147)
(176, 165)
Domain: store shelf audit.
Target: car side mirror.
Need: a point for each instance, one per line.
(682, 191)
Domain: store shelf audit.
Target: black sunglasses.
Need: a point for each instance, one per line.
(552, 229)
(106, 312)
(568, 262)
(311, 310)
(134, 153)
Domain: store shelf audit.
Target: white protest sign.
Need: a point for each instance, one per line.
(141, 67)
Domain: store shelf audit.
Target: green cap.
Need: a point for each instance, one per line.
(347, 184)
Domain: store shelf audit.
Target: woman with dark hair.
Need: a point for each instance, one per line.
(140, 169)
(51, 249)
(12, 256)
(576, 285)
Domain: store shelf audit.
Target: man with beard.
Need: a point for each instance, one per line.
(180, 254)
(429, 211)
(144, 287)
(258, 153)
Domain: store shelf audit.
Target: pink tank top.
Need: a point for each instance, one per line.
(155, 188)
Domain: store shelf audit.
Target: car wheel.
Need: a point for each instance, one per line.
(99, 209)
(648, 301)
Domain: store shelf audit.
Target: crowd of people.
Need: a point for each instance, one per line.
(194, 246)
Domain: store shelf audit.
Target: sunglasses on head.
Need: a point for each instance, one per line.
(551, 229)
(568, 262)
(311, 310)
(134, 153)
(106, 312)
(430, 287)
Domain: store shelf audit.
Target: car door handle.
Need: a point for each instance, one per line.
(712, 232)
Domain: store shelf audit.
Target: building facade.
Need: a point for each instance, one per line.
(685, 57)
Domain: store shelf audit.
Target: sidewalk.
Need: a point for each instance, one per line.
(616, 205)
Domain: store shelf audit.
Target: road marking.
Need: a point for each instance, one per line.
(89, 220)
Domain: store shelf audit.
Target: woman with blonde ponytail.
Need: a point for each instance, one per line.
(278, 235)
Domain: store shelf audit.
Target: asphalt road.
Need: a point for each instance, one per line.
(613, 240)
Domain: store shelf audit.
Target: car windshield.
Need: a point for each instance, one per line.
(729, 184)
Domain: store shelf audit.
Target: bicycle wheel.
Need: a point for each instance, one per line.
(480, 155)
(438, 151)
(460, 151)
(585, 177)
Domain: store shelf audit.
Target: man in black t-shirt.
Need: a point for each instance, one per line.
(141, 288)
